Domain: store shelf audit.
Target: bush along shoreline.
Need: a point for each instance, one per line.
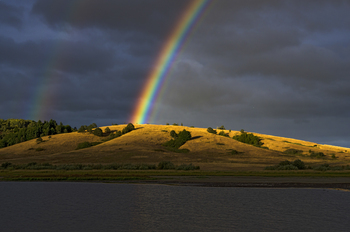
(164, 165)
(300, 165)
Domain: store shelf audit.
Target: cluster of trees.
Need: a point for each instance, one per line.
(249, 139)
(14, 131)
(244, 137)
(89, 128)
(111, 135)
(93, 129)
(127, 129)
(178, 139)
(211, 130)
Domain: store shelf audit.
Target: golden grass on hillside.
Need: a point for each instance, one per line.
(144, 145)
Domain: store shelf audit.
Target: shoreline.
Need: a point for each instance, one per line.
(249, 182)
(336, 183)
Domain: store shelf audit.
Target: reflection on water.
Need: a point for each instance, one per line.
(46, 206)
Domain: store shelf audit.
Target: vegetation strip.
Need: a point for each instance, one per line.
(120, 175)
(300, 165)
(164, 165)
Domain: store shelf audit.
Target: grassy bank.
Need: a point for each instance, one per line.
(125, 175)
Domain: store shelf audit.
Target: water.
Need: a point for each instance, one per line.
(62, 206)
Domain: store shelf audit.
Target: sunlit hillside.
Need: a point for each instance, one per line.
(144, 145)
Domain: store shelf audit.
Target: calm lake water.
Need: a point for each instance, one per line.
(62, 206)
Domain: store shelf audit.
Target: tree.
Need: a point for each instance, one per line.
(67, 129)
(107, 130)
(222, 133)
(221, 127)
(211, 130)
(93, 125)
(98, 132)
(128, 128)
(180, 140)
(81, 129)
(89, 128)
(173, 134)
(249, 139)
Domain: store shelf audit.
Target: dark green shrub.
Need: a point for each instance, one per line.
(113, 136)
(211, 130)
(271, 167)
(86, 145)
(173, 134)
(175, 124)
(166, 165)
(98, 132)
(323, 167)
(187, 167)
(89, 128)
(81, 129)
(221, 128)
(234, 152)
(249, 139)
(180, 140)
(287, 167)
(118, 134)
(83, 145)
(299, 164)
(222, 133)
(6, 165)
(185, 135)
(283, 163)
(293, 151)
(107, 130)
(128, 128)
(317, 154)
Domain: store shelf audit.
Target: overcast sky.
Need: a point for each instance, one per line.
(273, 67)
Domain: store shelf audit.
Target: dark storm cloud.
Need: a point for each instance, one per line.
(65, 56)
(271, 66)
(151, 16)
(11, 15)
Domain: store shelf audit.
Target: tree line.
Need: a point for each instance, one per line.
(14, 131)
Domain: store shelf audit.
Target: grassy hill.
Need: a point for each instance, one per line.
(144, 145)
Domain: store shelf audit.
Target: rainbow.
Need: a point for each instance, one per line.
(40, 103)
(171, 48)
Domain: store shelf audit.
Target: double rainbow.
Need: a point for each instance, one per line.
(156, 79)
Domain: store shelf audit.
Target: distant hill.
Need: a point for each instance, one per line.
(144, 145)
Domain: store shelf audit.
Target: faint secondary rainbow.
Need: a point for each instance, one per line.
(171, 48)
(42, 99)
